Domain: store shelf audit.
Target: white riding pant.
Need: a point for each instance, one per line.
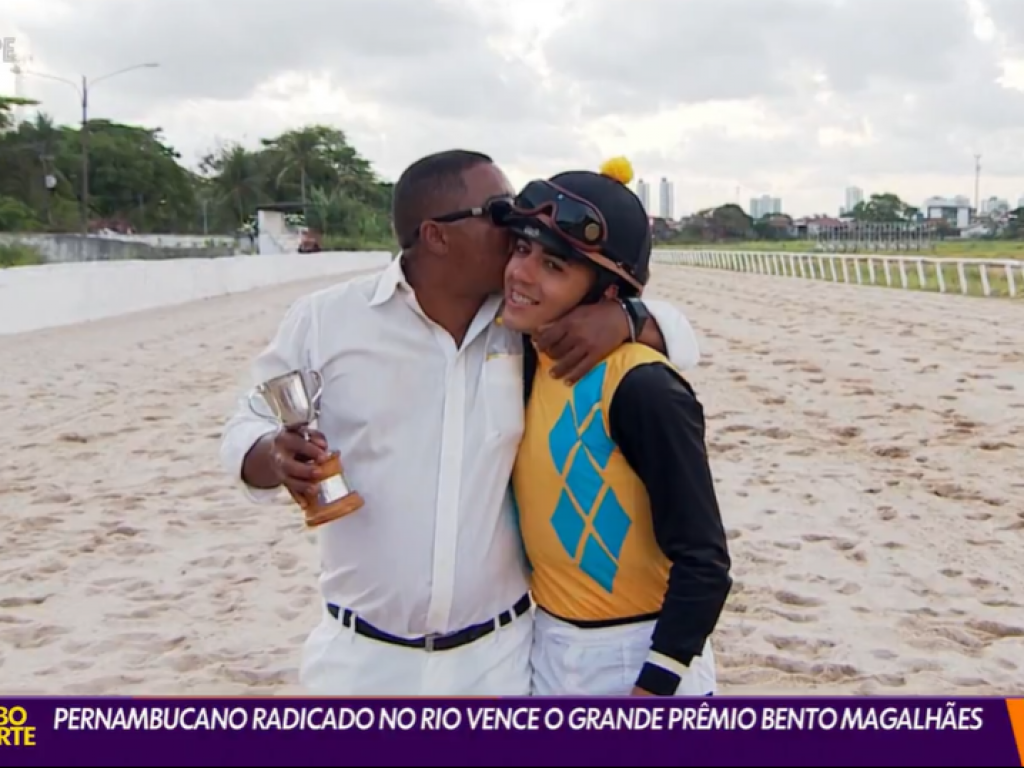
(339, 662)
(570, 661)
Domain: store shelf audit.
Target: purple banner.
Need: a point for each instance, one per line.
(589, 732)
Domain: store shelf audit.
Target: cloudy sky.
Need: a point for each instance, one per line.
(727, 98)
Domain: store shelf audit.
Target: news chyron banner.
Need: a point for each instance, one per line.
(464, 732)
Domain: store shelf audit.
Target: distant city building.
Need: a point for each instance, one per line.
(854, 196)
(814, 226)
(995, 206)
(764, 206)
(956, 210)
(643, 191)
(666, 199)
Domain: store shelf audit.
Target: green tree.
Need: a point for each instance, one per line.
(15, 216)
(774, 226)
(7, 105)
(234, 182)
(134, 176)
(297, 153)
(882, 208)
(136, 179)
(730, 222)
(315, 167)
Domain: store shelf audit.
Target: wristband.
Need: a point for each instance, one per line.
(637, 315)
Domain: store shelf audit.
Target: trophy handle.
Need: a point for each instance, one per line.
(318, 380)
(257, 404)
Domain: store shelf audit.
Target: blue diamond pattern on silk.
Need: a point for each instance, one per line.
(580, 445)
(568, 524)
(612, 524)
(598, 565)
(584, 481)
(562, 439)
(587, 393)
(597, 442)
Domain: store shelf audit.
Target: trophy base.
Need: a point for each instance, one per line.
(334, 500)
(317, 516)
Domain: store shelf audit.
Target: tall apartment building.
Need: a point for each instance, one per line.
(666, 199)
(764, 205)
(643, 191)
(995, 206)
(854, 195)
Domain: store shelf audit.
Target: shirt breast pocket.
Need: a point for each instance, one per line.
(503, 395)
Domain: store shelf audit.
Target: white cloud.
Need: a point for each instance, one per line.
(797, 98)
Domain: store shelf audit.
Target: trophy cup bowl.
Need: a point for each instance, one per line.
(292, 403)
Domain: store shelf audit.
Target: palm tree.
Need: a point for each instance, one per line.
(296, 151)
(236, 180)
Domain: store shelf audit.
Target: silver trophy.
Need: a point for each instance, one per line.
(293, 401)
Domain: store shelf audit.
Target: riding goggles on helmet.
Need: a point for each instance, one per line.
(571, 218)
(574, 218)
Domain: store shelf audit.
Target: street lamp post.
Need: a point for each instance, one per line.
(83, 92)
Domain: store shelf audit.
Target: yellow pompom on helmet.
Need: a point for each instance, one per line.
(618, 168)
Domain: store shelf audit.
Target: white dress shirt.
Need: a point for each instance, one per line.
(428, 434)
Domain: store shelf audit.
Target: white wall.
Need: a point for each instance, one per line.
(157, 241)
(64, 294)
(74, 247)
(275, 235)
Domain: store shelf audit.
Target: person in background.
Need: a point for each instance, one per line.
(616, 501)
(424, 591)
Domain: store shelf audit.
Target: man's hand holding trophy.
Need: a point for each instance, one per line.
(297, 455)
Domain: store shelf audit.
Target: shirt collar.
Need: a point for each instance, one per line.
(391, 280)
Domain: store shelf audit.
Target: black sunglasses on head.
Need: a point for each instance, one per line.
(496, 209)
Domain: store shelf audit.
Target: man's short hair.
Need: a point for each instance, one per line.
(427, 186)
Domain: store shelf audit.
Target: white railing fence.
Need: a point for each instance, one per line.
(972, 277)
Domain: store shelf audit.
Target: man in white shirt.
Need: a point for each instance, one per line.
(424, 588)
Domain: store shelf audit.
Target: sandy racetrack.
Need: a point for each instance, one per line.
(868, 445)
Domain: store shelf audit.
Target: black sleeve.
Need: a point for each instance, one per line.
(658, 423)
